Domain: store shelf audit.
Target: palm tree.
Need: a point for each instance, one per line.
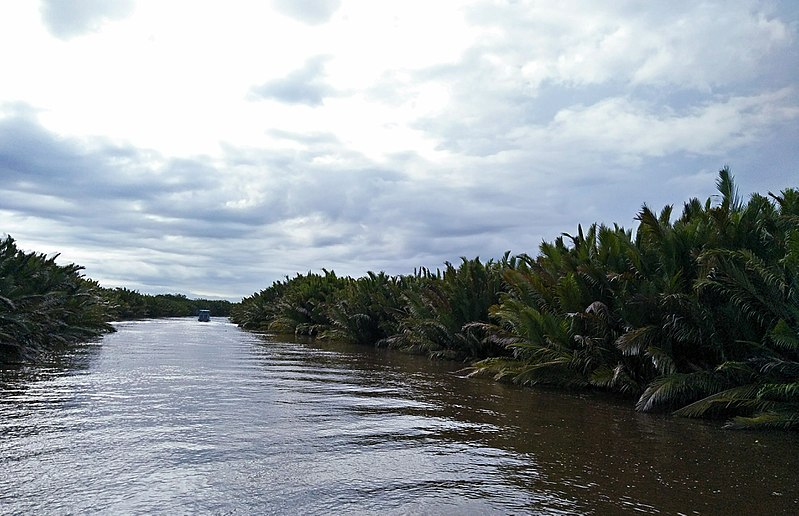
(367, 310)
(43, 304)
(747, 294)
(443, 313)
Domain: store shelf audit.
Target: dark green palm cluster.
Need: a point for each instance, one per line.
(446, 314)
(696, 314)
(699, 316)
(321, 305)
(432, 313)
(44, 306)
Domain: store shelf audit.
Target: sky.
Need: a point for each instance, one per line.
(211, 148)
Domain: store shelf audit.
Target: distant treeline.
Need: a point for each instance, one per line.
(696, 314)
(129, 304)
(45, 306)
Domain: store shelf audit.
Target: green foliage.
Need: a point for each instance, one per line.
(298, 306)
(368, 310)
(697, 314)
(129, 304)
(446, 314)
(437, 314)
(43, 305)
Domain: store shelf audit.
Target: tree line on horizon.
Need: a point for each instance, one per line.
(696, 314)
(130, 304)
(45, 307)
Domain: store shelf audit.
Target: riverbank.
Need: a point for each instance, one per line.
(693, 315)
(46, 307)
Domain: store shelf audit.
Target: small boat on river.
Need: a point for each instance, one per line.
(205, 316)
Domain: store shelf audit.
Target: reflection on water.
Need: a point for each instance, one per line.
(175, 416)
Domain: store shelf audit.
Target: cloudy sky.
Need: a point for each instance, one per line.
(210, 148)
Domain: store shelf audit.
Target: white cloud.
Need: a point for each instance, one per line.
(625, 127)
(682, 44)
(308, 11)
(76, 17)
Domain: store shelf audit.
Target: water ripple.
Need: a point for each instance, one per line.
(179, 417)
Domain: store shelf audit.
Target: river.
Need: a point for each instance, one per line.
(180, 417)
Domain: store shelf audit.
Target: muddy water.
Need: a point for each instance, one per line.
(175, 416)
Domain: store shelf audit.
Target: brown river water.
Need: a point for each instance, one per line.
(180, 417)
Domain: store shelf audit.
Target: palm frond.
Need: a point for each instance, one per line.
(786, 419)
(745, 396)
(678, 389)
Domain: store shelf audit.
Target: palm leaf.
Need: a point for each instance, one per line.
(745, 396)
(786, 419)
(678, 389)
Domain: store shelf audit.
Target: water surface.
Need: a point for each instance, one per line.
(176, 416)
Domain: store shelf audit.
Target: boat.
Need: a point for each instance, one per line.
(205, 316)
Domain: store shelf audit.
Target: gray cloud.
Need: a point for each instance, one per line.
(67, 19)
(180, 220)
(302, 86)
(316, 139)
(32, 158)
(234, 226)
(312, 12)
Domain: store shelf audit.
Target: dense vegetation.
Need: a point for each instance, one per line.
(45, 306)
(696, 314)
(129, 304)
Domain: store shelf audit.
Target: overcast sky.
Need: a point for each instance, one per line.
(210, 148)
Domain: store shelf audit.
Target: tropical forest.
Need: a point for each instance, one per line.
(695, 312)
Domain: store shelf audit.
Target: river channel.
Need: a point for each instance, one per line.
(180, 417)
